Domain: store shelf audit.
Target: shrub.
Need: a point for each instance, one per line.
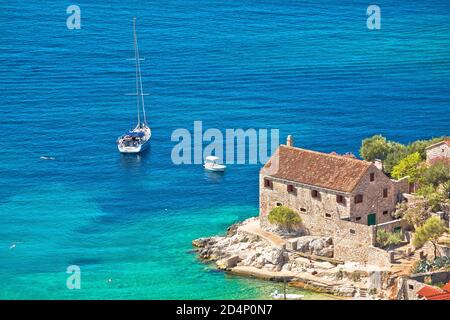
(415, 213)
(438, 173)
(388, 239)
(284, 217)
(427, 266)
(408, 166)
(376, 147)
(431, 231)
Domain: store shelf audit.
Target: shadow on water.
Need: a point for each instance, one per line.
(135, 161)
(214, 176)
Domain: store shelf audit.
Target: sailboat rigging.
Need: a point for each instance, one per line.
(137, 139)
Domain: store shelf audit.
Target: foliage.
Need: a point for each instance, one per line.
(427, 266)
(397, 152)
(284, 217)
(376, 147)
(391, 152)
(408, 166)
(387, 239)
(431, 231)
(415, 213)
(434, 198)
(438, 173)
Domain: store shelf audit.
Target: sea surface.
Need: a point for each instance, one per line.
(308, 68)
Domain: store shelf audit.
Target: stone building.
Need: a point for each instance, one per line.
(327, 186)
(438, 150)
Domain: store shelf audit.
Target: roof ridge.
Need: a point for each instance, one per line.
(328, 154)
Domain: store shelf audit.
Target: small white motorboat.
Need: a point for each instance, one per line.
(289, 296)
(212, 165)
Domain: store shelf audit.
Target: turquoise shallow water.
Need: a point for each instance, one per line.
(309, 68)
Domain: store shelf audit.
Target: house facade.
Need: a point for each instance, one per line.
(438, 150)
(325, 185)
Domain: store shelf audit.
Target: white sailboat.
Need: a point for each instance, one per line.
(137, 139)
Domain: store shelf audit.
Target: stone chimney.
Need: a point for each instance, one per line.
(290, 141)
(378, 163)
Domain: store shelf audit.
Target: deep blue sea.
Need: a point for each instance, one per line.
(309, 68)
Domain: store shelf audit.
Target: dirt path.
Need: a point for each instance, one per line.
(253, 228)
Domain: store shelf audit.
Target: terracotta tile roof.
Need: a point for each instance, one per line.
(428, 291)
(319, 169)
(446, 287)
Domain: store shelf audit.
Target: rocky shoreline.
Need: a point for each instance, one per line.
(304, 261)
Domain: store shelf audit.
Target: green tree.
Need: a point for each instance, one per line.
(431, 231)
(376, 147)
(415, 213)
(435, 198)
(438, 173)
(284, 217)
(408, 166)
(396, 153)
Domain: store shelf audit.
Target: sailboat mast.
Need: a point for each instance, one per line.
(138, 65)
(137, 72)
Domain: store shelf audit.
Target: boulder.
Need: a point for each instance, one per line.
(291, 244)
(229, 262)
(326, 252)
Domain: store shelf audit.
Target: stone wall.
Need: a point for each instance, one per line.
(301, 200)
(438, 151)
(326, 204)
(351, 240)
(434, 277)
(410, 287)
(373, 200)
(378, 257)
(402, 185)
(392, 225)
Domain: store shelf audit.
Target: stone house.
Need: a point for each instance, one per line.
(438, 150)
(327, 186)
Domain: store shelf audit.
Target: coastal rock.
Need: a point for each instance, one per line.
(326, 252)
(229, 262)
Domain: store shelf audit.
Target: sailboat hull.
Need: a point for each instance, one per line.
(138, 146)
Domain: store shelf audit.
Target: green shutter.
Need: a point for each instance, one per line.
(372, 219)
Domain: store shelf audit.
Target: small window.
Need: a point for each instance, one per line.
(314, 193)
(352, 231)
(358, 198)
(302, 209)
(372, 176)
(411, 287)
(385, 193)
(357, 218)
(279, 204)
(267, 183)
(327, 215)
(339, 199)
(290, 188)
(385, 213)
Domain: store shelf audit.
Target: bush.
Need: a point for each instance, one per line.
(431, 231)
(415, 213)
(435, 199)
(408, 166)
(284, 217)
(387, 239)
(438, 173)
(427, 266)
(376, 147)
